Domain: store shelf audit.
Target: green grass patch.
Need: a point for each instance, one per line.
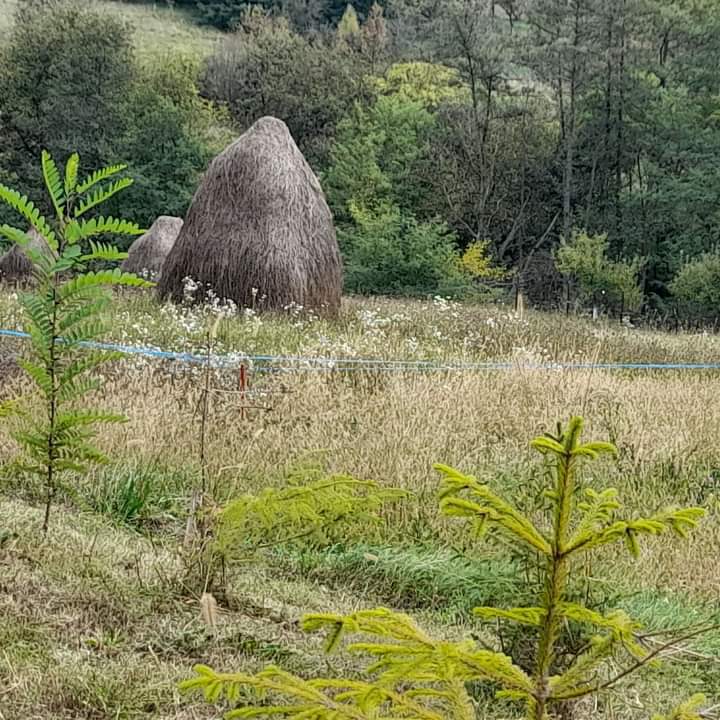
(440, 580)
(136, 494)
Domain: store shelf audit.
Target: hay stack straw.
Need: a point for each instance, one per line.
(259, 221)
(15, 265)
(147, 254)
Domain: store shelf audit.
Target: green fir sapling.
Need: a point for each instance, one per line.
(415, 675)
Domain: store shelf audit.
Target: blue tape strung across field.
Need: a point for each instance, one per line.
(292, 363)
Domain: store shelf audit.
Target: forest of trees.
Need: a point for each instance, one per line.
(571, 147)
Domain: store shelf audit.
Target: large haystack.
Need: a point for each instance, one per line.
(147, 254)
(259, 221)
(15, 267)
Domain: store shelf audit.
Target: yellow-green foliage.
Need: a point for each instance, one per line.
(476, 261)
(414, 675)
(427, 83)
(349, 25)
(317, 510)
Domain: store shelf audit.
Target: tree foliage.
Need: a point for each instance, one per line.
(391, 252)
(318, 511)
(312, 509)
(600, 281)
(69, 79)
(265, 68)
(697, 287)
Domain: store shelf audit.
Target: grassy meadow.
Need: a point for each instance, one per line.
(157, 28)
(97, 622)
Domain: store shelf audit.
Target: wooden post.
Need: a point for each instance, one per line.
(242, 384)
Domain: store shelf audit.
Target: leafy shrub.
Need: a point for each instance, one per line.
(265, 68)
(315, 512)
(223, 14)
(65, 74)
(476, 261)
(169, 138)
(600, 281)
(696, 288)
(429, 84)
(416, 675)
(392, 253)
(376, 157)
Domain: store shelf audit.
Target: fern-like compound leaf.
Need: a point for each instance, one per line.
(101, 194)
(71, 174)
(103, 251)
(78, 230)
(27, 209)
(98, 176)
(53, 183)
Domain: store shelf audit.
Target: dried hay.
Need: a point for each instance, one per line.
(15, 267)
(147, 254)
(259, 227)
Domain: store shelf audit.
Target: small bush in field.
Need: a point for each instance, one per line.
(696, 288)
(600, 280)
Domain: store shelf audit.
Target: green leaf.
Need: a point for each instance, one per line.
(72, 251)
(27, 209)
(547, 445)
(82, 332)
(71, 171)
(77, 230)
(487, 507)
(39, 374)
(19, 237)
(69, 320)
(54, 185)
(103, 278)
(595, 449)
(71, 390)
(81, 418)
(102, 194)
(88, 361)
(100, 251)
(622, 627)
(523, 616)
(689, 710)
(98, 176)
(40, 314)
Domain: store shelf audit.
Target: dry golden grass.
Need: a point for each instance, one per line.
(392, 428)
(92, 627)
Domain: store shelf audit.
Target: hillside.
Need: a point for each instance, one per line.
(158, 28)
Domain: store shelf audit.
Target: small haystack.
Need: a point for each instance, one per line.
(147, 254)
(15, 267)
(259, 228)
